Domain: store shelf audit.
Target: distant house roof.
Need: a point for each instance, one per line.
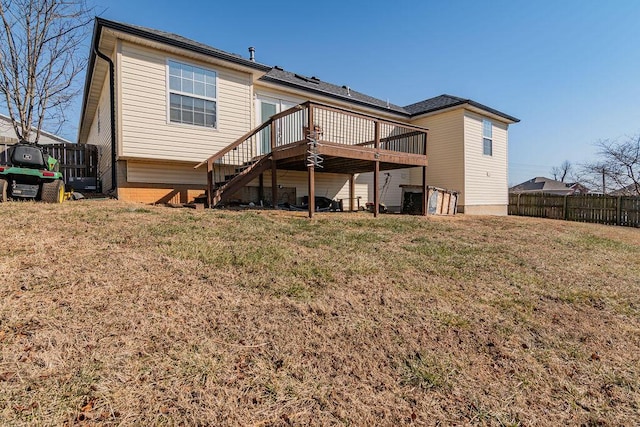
(6, 131)
(629, 190)
(279, 76)
(541, 184)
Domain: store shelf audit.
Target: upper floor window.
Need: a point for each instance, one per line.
(192, 95)
(487, 138)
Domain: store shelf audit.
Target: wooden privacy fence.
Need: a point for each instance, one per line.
(597, 208)
(76, 160)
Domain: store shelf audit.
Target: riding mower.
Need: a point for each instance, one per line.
(31, 174)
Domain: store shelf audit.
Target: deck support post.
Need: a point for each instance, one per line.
(376, 172)
(274, 169)
(376, 188)
(261, 188)
(312, 190)
(352, 192)
(310, 166)
(210, 184)
(274, 184)
(425, 192)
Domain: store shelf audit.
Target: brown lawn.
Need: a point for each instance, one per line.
(124, 314)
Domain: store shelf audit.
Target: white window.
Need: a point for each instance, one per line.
(192, 95)
(487, 138)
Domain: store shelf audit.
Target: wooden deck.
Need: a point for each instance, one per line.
(340, 158)
(341, 141)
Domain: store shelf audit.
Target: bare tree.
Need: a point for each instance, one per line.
(560, 173)
(39, 60)
(618, 166)
(595, 176)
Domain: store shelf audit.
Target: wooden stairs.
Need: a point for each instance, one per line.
(347, 142)
(243, 175)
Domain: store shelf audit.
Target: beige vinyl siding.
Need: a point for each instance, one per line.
(486, 181)
(445, 152)
(101, 136)
(165, 173)
(146, 132)
(392, 195)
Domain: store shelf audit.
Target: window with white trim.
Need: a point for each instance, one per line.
(487, 137)
(192, 95)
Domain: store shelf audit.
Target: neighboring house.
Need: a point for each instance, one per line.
(541, 184)
(8, 135)
(158, 104)
(632, 190)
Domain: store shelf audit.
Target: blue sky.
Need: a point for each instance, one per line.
(568, 69)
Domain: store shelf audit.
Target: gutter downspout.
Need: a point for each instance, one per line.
(112, 96)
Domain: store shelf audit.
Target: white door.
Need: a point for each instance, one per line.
(266, 107)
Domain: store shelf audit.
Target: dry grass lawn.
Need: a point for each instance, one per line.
(124, 314)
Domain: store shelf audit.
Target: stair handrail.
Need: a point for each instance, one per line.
(251, 133)
(233, 145)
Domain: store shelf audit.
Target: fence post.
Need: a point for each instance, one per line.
(565, 210)
(518, 205)
(619, 210)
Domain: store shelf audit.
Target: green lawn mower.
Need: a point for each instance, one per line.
(31, 174)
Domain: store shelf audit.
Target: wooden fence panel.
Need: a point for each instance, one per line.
(4, 153)
(76, 160)
(599, 209)
(594, 208)
(538, 205)
(630, 211)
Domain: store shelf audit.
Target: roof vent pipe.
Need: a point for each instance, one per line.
(252, 53)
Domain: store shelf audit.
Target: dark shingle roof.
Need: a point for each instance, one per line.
(179, 41)
(279, 76)
(446, 101)
(433, 104)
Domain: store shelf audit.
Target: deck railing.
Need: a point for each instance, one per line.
(329, 124)
(346, 127)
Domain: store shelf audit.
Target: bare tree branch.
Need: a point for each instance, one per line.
(562, 172)
(39, 63)
(618, 167)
